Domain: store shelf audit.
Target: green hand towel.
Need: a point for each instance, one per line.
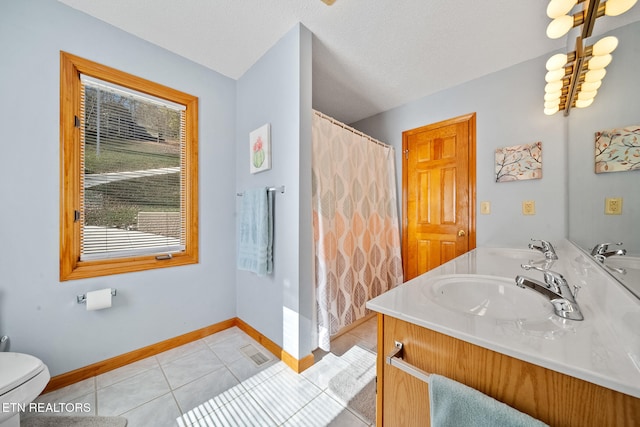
(255, 232)
(455, 405)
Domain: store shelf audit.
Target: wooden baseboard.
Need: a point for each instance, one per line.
(354, 325)
(298, 365)
(107, 365)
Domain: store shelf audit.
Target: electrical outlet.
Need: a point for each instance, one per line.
(485, 208)
(613, 206)
(529, 207)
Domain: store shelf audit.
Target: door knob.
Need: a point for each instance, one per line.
(461, 233)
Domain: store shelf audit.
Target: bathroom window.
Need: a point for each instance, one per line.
(128, 172)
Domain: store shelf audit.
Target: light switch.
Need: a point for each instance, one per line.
(485, 208)
(529, 207)
(613, 206)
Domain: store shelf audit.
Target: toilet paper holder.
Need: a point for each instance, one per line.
(82, 299)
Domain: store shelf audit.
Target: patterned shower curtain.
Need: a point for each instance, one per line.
(355, 224)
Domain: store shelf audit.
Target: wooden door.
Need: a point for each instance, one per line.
(438, 193)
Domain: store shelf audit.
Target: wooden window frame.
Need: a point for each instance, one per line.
(71, 267)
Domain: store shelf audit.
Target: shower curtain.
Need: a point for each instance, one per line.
(355, 224)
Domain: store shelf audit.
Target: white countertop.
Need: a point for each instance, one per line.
(603, 349)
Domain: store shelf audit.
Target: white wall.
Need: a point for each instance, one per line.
(277, 90)
(40, 313)
(509, 112)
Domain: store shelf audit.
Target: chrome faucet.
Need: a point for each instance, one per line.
(545, 247)
(601, 251)
(556, 288)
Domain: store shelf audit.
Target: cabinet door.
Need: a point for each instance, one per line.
(554, 398)
(405, 398)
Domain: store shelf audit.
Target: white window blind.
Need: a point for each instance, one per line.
(132, 199)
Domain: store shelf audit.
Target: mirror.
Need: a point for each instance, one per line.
(617, 105)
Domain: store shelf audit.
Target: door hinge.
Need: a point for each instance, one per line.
(76, 216)
(76, 121)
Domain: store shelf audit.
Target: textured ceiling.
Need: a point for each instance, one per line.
(368, 55)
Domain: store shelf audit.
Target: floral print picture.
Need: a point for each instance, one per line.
(519, 162)
(618, 150)
(260, 149)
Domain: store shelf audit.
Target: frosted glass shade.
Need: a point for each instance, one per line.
(599, 62)
(558, 8)
(551, 111)
(584, 103)
(595, 75)
(604, 46)
(552, 96)
(586, 95)
(555, 75)
(559, 26)
(557, 61)
(590, 86)
(552, 104)
(617, 7)
(553, 87)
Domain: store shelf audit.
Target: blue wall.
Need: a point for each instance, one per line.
(509, 105)
(617, 105)
(509, 111)
(40, 313)
(277, 90)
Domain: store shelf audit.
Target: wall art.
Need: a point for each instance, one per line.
(260, 149)
(618, 150)
(519, 162)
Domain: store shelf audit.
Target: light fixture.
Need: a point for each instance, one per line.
(590, 86)
(553, 87)
(552, 96)
(556, 62)
(555, 75)
(617, 7)
(558, 8)
(604, 46)
(560, 26)
(573, 79)
(585, 96)
(580, 103)
(599, 62)
(592, 76)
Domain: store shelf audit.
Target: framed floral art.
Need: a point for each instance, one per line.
(260, 149)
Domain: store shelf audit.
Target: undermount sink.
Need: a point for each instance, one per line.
(488, 296)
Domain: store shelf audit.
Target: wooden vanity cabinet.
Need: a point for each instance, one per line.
(554, 398)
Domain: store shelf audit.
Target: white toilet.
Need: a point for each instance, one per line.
(22, 378)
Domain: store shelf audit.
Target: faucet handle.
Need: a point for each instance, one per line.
(545, 247)
(602, 247)
(533, 267)
(553, 279)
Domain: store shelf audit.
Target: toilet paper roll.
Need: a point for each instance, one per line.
(97, 300)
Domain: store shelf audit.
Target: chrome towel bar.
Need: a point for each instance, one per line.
(272, 189)
(395, 359)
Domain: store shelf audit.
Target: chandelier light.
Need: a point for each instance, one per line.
(573, 79)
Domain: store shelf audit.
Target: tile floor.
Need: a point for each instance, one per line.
(212, 382)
